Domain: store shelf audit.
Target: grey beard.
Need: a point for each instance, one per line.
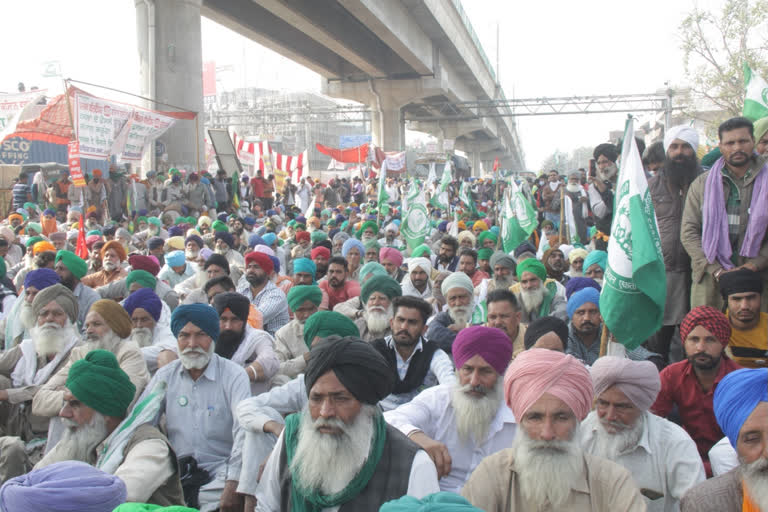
(608, 174)
(378, 321)
(532, 299)
(27, 316)
(78, 442)
(502, 283)
(756, 481)
(191, 255)
(573, 188)
(327, 462)
(109, 342)
(610, 446)
(51, 338)
(461, 315)
(474, 415)
(221, 250)
(109, 266)
(196, 358)
(142, 336)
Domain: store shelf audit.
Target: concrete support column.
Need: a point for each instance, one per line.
(171, 60)
(388, 128)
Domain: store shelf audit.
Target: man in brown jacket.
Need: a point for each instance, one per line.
(732, 212)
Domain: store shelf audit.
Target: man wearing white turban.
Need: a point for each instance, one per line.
(418, 281)
(661, 456)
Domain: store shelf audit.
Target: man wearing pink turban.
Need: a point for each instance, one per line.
(391, 259)
(661, 456)
(545, 469)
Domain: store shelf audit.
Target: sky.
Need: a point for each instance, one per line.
(553, 48)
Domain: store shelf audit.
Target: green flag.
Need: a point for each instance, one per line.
(756, 95)
(519, 218)
(415, 226)
(635, 283)
(465, 195)
(383, 196)
(440, 199)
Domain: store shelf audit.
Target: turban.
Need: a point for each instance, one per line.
(538, 371)
(503, 259)
(740, 281)
(117, 246)
(73, 262)
(49, 212)
(57, 236)
(760, 128)
(114, 315)
(201, 315)
(63, 487)
(684, 133)
(577, 253)
(523, 248)
(176, 231)
(302, 236)
(155, 242)
(372, 268)
(269, 239)
(533, 266)
(175, 258)
(100, 383)
(457, 280)
(392, 227)
(608, 150)
(91, 240)
(736, 396)
(146, 263)
(15, 216)
(175, 242)
(599, 257)
(261, 259)
(422, 263)
(437, 502)
(43, 246)
(576, 284)
(299, 294)
(266, 250)
(466, 235)
(196, 239)
(33, 240)
(545, 325)
(320, 252)
(490, 343)
(219, 226)
(328, 323)
(582, 297)
(63, 297)
(484, 253)
(317, 236)
(237, 303)
(41, 278)
(218, 260)
(141, 277)
(339, 236)
(305, 266)
(314, 221)
(146, 299)
(383, 284)
(226, 237)
(638, 380)
(368, 224)
(480, 224)
(122, 233)
(204, 220)
(393, 255)
(422, 250)
(352, 243)
(372, 244)
(709, 318)
(486, 235)
(154, 220)
(358, 366)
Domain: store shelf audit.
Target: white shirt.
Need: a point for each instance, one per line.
(421, 482)
(723, 457)
(665, 460)
(432, 413)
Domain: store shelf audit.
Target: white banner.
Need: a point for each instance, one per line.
(11, 104)
(396, 161)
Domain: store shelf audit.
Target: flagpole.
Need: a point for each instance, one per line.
(562, 215)
(604, 341)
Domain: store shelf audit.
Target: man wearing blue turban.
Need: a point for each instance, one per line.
(203, 390)
(741, 410)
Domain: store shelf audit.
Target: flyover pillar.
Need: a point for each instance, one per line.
(171, 62)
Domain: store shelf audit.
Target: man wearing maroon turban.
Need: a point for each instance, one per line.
(545, 469)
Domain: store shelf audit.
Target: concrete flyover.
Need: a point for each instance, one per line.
(402, 58)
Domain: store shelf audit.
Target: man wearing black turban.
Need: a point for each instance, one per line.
(547, 332)
(742, 290)
(601, 186)
(339, 451)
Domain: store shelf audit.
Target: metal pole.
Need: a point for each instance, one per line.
(197, 140)
(668, 110)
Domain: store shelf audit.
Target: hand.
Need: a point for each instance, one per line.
(273, 427)
(583, 199)
(306, 357)
(3, 395)
(230, 500)
(436, 450)
(250, 503)
(456, 327)
(750, 266)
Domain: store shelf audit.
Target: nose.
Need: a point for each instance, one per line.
(66, 411)
(327, 410)
(474, 379)
(610, 413)
(547, 432)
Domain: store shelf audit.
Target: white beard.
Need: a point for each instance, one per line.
(532, 299)
(474, 415)
(460, 314)
(502, 283)
(611, 445)
(27, 316)
(109, 342)
(78, 442)
(51, 338)
(222, 250)
(576, 273)
(599, 281)
(573, 188)
(608, 173)
(109, 266)
(196, 358)
(756, 480)
(546, 470)
(191, 255)
(201, 278)
(378, 319)
(142, 336)
(368, 238)
(327, 462)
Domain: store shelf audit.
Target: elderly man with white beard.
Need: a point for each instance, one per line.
(21, 317)
(600, 190)
(537, 295)
(292, 352)
(417, 282)
(224, 244)
(203, 390)
(26, 367)
(376, 295)
(545, 469)
(157, 344)
(461, 423)
(741, 409)
(661, 456)
(459, 295)
(339, 454)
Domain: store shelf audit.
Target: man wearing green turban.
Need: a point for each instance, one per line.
(304, 302)
(97, 397)
(487, 240)
(71, 269)
(372, 248)
(328, 323)
(376, 298)
(368, 231)
(538, 296)
(140, 279)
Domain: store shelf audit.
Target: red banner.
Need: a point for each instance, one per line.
(81, 249)
(75, 171)
(348, 156)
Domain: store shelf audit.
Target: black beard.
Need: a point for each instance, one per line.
(69, 283)
(445, 258)
(255, 280)
(681, 172)
(228, 342)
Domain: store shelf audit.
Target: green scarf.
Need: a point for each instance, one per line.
(305, 500)
(547, 302)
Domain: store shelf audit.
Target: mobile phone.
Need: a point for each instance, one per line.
(592, 168)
